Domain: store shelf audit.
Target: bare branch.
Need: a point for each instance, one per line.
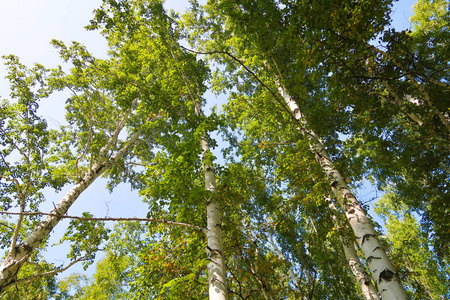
(162, 221)
(402, 107)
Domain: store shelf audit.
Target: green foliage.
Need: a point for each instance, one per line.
(34, 158)
(38, 288)
(25, 159)
(380, 111)
(173, 266)
(410, 248)
(430, 17)
(86, 237)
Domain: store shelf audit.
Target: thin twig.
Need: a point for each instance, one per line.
(274, 94)
(36, 213)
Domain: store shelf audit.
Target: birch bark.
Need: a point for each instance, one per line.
(18, 255)
(367, 288)
(214, 249)
(382, 270)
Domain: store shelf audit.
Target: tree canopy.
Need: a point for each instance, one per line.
(321, 97)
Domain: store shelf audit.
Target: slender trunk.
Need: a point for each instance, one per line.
(366, 285)
(328, 264)
(379, 264)
(21, 252)
(216, 266)
(367, 288)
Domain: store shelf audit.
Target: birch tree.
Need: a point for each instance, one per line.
(412, 69)
(247, 43)
(145, 24)
(76, 154)
(313, 69)
(313, 108)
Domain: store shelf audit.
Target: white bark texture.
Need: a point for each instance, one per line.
(367, 288)
(214, 249)
(366, 285)
(382, 270)
(17, 256)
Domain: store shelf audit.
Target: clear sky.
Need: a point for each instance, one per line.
(27, 27)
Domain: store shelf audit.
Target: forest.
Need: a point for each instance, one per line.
(253, 199)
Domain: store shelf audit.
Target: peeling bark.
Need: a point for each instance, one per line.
(382, 270)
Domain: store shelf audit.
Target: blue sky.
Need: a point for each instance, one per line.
(27, 27)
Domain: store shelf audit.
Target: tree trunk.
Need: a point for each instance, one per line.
(367, 288)
(214, 249)
(18, 255)
(366, 285)
(379, 264)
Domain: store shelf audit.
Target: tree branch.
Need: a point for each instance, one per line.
(6, 225)
(417, 84)
(274, 94)
(49, 273)
(105, 219)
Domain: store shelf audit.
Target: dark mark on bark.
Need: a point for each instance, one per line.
(386, 275)
(349, 195)
(213, 252)
(369, 259)
(99, 169)
(366, 237)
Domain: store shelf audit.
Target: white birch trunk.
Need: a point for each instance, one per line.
(18, 255)
(366, 285)
(367, 288)
(216, 266)
(383, 271)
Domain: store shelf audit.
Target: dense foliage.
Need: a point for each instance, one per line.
(322, 96)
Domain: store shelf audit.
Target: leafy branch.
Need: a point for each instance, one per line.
(49, 273)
